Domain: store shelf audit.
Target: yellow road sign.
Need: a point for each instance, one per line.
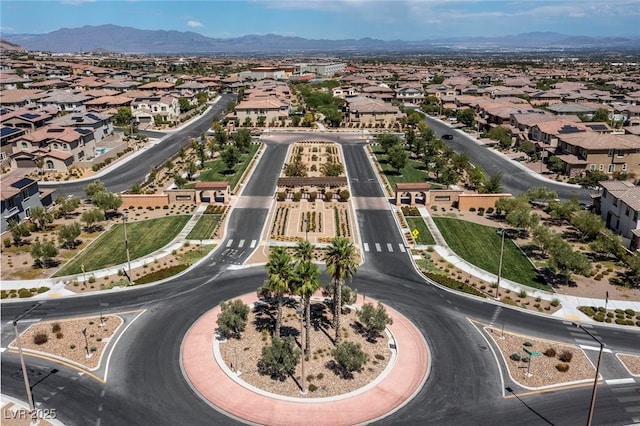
(415, 233)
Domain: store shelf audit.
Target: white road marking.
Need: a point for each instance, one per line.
(366, 246)
(390, 247)
(378, 248)
(241, 244)
(3, 349)
(621, 382)
(253, 244)
(402, 249)
(594, 348)
(229, 243)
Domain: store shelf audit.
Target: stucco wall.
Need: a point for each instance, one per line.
(466, 201)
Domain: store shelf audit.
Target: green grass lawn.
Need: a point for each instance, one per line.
(480, 245)
(205, 227)
(217, 171)
(413, 172)
(144, 237)
(425, 236)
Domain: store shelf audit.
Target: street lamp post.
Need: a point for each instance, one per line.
(126, 246)
(595, 380)
(303, 381)
(500, 264)
(22, 364)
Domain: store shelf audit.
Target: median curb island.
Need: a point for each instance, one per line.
(391, 391)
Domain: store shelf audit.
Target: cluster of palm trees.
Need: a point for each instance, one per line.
(300, 276)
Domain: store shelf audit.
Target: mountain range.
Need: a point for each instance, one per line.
(132, 40)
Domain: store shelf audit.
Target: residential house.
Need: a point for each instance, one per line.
(365, 111)
(410, 94)
(344, 91)
(619, 207)
(26, 118)
(20, 98)
(146, 109)
(101, 124)
(7, 134)
(572, 109)
(591, 151)
(267, 110)
(19, 195)
(64, 101)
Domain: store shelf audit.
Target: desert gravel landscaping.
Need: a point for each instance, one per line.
(68, 342)
(544, 371)
(632, 362)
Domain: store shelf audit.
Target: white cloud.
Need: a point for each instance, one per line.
(77, 2)
(194, 24)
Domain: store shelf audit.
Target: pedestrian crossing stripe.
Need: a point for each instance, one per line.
(253, 244)
(378, 248)
(402, 249)
(390, 247)
(229, 243)
(366, 246)
(241, 244)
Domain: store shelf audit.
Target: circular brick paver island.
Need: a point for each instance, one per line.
(213, 381)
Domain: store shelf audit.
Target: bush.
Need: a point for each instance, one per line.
(72, 346)
(551, 352)
(523, 293)
(566, 356)
(24, 293)
(56, 327)
(344, 195)
(555, 302)
(515, 356)
(232, 318)
(629, 312)
(312, 388)
(312, 196)
(40, 338)
(350, 357)
(282, 196)
(562, 367)
(328, 196)
(59, 335)
(320, 376)
(92, 279)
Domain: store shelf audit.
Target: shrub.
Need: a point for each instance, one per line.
(92, 279)
(523, 293)
(72, 346)
(350, 357)
(555, 302)
(282, 196)
(551, 352)
(312, 196)
(23, 292)
(562, 367)
(59, 335)
(40, 338)
(599, 317)
(312, 388)
(320, 376)
(344, 195)
(527, 344)
(328, 196)
(56, 327)
(629, 312)
(297, 196)
(515, 356)
(93, 349)
(42, 289)
(232, 318)
(566, 356)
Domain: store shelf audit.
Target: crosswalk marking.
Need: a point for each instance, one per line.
(621, 382)
(402, 249)
(366, 246)
(241, 244)
(253, 244)
(229, 243)
(390, 247)
(378, 248)
(594, 348)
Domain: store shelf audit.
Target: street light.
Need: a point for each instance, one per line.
(126, 246)
(24, 368)
(500, 264)
(595, 380)
(300, 310)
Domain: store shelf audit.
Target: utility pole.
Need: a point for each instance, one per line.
(22, 364)
(126, 246)
(500, 264)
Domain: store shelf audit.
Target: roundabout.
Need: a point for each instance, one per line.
(223, 389)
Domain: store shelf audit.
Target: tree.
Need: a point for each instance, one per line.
(191, 169)
(280, 358)
(522, 218)
(398, 157)
(306, 283)
(601, 115)
(592, 179)
(106, 201)
(566, 262)
(295, 168)
(540, 193)
(94, 187)
(587, 224)
(563, 211)
(608, 243)
(466, 116)
(232, 318)
(230, 156)
(39, 162)
(67, 205)
(40, 216)
(494, 185)
(92, 218)
(68, 234)
(43, 252)
(476, 177)
(220, 136)
(308, 120)
(410, 138)
(344, 195)
(448, 176)
(502, 135)
(387, 140)
(341, 265)
(279, 274)
(374, 320)
(18, 230)
(543, 237)
(555, 164)
(242, 139)
(304, 251)
(331, 169)
(350, 357)
(460, 162)
(184, 104)
(123, 116)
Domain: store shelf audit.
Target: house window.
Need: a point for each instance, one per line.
(620, 153)
(25, 145)
(27, 212)
(601, 168)
(50, 165)
(611, 168)
(624, 167)
(610, 153)
(24, 193)
(592, 167)
(626, 213)
(55, 146)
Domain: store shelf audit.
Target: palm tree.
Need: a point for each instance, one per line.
(304, 251)
(341, 265)
(307, 282)
(279, 274)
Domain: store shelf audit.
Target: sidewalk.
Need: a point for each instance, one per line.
(16, 412)
(569, 304)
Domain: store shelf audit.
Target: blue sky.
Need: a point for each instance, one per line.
(382, 19)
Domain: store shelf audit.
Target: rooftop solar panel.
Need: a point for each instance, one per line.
(22, 183)
(29, 116)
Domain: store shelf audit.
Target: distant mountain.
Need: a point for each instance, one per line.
(8, 46)
(131, 40)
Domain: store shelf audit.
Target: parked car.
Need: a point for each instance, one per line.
(447, 137)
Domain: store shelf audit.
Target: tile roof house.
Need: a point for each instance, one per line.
(64, 101)
(20, 98)
(101, 124)
(619, 207)
(19, 194)
(368, 111)
(26, 118)
(146, 109)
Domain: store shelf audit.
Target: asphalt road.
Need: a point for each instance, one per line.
(514, 179)
(146, 386)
